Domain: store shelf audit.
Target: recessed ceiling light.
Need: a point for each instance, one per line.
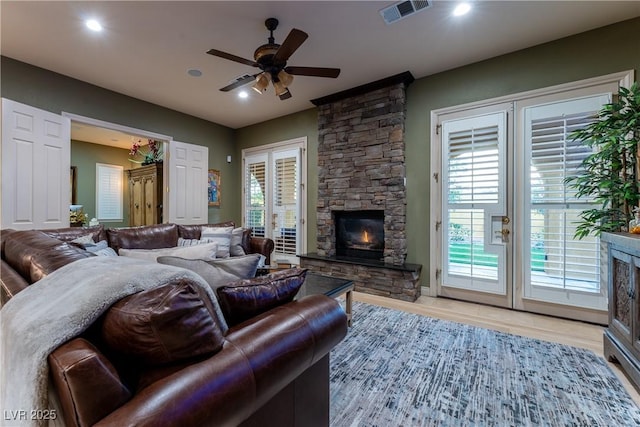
(93, 25)
(461, 9)
(194, 72)
(243, 94)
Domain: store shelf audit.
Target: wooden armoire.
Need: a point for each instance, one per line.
(145, 195)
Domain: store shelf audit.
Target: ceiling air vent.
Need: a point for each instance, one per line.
(402, 9)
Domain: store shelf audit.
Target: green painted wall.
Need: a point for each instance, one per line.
(594, 53)
(54, 92)
(84, 157)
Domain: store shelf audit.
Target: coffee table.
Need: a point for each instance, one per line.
(333, 287)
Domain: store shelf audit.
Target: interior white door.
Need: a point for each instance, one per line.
(475, 213)
(36, 156)
(188, 173)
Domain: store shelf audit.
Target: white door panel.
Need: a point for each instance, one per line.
(36, 156)
(557, 268)
(473, 174)
(188, 167)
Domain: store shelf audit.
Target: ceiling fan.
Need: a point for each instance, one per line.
(271, 59)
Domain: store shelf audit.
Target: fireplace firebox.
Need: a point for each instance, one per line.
(359, 234)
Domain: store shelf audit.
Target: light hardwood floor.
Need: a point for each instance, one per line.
(577, 334)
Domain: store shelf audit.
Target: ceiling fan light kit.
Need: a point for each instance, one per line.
(271, 59)
(262, 82)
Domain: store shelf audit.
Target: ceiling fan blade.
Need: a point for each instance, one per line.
(286, 95)
(231, 57)
(240, 82)
(291, 43)
(314, 71)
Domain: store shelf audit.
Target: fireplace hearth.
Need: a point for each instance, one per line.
(359, 234)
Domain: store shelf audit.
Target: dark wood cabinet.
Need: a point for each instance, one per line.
(145, 195)
(622, 337)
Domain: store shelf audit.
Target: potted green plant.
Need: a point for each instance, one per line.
(609, 176)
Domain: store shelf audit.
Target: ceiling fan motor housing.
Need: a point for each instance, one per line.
(272, 59)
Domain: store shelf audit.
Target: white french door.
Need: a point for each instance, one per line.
(555, 267)
(505, 218)
(273, 196)
(475, 215)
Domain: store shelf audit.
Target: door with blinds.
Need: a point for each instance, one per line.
(507, 220)
(557, 268)
(475, 217)
(273, 186)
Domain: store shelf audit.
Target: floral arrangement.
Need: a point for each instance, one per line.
(146, 154)
(77, 216)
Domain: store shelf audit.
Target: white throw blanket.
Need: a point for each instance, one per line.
(55, 309)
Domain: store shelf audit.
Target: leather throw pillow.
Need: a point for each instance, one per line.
(163, 325)
(244, 299)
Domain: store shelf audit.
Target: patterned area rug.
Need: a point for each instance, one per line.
(402, 369)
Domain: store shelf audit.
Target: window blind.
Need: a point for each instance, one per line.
(255, 197)
(109, 179)
(286, 204)
(556, 258)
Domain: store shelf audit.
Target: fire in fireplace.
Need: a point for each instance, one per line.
(359, 234)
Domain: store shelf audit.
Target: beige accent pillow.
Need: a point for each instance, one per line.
(205, 251)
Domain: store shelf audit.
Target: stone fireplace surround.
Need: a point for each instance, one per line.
(361, 166)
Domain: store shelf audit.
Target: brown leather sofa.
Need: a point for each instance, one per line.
(270, 370)
(18, 275)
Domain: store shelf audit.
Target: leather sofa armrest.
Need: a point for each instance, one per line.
(259, 359)
(10, 282)
(262, 245)
(88, 385)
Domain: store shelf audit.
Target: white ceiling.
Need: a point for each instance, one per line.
(147, 47)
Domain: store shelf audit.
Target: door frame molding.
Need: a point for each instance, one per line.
(166, 139)
(625, 78)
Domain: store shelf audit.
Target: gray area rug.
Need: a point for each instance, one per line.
(402, 369)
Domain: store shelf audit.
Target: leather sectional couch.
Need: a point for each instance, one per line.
(269, 370)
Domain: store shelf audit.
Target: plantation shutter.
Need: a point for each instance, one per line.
(474, 185)
(109, 183)
(286, 181)
(557, 260)
(256, 194)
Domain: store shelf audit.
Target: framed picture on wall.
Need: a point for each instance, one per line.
(214, 188)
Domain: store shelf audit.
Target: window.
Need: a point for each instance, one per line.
(109, 179)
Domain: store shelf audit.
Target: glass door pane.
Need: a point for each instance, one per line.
(256, 195)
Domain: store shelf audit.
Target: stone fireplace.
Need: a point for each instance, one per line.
(361, 188)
